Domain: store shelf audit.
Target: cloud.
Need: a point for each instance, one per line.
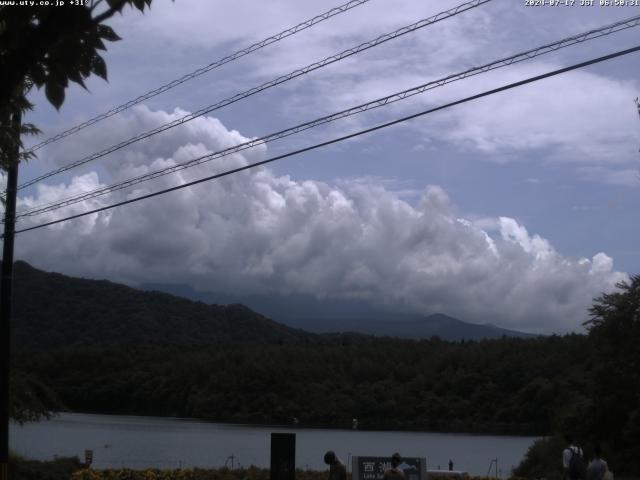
(550, 121)
(629, 177)
(584, 117)
(593, 124)
(260, 232)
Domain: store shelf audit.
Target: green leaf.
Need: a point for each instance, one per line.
(29, 129)
(99, 67)
(139, 4)
(84, 64)
(38, 75)
(97, 43)
(117, 4)
(75, 76)
(107, 33)
(55, 94)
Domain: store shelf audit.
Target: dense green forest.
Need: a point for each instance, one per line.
(508, 385)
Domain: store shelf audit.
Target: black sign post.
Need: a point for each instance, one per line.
(283, 456)
(373, 468)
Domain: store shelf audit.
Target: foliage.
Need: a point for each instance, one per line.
(30, 398)
(72, 469)
(251, 473)
(614, 334)
(543, 459)
(610, 412)
(488, 386)
(47, 46)
(58, 469)
(51, 46)
(10, 130)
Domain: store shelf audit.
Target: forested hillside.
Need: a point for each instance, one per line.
(508, 385)
(53, 311)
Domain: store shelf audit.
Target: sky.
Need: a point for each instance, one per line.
(516, 209)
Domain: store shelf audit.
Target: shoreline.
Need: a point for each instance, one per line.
(169, 442)
(371, 428)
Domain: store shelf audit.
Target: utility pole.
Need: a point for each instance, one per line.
(6, 293)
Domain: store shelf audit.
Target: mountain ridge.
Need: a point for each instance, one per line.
(347, 315)
(52, 310)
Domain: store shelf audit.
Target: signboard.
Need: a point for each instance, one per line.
(373, 468)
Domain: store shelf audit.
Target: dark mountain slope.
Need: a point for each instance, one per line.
(347, 315)
(53, 311)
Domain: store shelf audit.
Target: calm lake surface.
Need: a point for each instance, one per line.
(140, 442)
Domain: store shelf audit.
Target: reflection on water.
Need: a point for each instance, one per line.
(139, 442)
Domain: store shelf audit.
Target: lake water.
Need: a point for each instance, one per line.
(140, 442)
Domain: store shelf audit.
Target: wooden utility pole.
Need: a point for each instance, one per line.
(6, 294)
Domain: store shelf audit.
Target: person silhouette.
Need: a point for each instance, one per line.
(395, 472)
(337, 470)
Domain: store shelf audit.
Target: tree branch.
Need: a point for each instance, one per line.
(110, 12)
(95, 4)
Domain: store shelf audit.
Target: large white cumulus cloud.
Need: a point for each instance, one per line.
(258, 232)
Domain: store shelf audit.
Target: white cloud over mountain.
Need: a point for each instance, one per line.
(260, 232)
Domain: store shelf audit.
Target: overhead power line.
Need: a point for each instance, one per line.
(282, 79)
(380, 102)
(339, 139)
(200, 71)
